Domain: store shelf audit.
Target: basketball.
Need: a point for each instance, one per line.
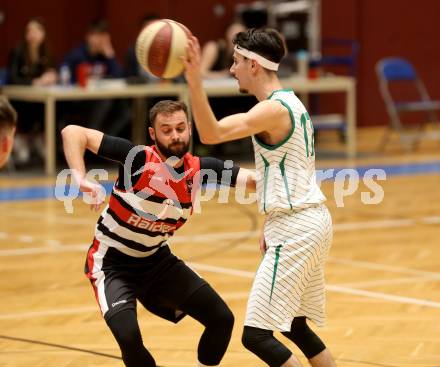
(159, 47)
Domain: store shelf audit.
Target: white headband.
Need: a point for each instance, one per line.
(265, 63)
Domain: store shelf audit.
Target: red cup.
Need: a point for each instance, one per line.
(313, 73)
(82, 74)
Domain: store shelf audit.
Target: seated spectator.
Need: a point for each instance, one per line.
(217, 55)
(31, 63)
(97, 54)
(96, 51)
(8, 122)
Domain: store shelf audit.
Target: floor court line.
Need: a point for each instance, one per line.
(92, 309)
(375, 283)
(421, 275)
(329, 287)
(54, 312)
(385, 267)
(350, 226)
(210, 239)
(234, 295)
(52, 217)
(235, 272)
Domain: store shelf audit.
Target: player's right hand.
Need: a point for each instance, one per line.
(192, 72)
(95, 195)
(263, 246)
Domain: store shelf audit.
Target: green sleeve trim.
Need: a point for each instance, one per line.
(283, 173)
(266, 176)
(292, 119)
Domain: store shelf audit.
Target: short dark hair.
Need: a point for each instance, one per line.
(8, 115)
(166, 107)
(149, 17)
(266, 42)
(98, 26)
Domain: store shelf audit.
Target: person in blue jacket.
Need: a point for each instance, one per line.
(97, 55)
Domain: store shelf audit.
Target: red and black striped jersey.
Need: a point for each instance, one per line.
(141, 217)
(151, 200)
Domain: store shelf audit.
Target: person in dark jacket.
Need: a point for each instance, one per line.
(31, 63)
(97, 51)
(97, 59)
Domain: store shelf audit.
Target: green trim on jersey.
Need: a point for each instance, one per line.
(280, 90)
(275, 146)
(266, 176)
(304, 118)
(275, 267)
(283, 173)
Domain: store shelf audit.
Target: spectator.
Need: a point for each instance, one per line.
(96, 51)
(31, 63)
(217, 55)
(97, 55)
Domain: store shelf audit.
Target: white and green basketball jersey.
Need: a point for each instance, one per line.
(286, 171)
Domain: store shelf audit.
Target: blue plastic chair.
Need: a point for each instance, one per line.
(398, 70)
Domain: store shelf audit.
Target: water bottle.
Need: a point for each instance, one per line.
(65, 75)
(302, 58)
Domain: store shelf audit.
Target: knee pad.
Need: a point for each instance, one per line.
(305, 339)
(263, 344)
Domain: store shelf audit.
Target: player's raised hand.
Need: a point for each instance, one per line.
(191, 61)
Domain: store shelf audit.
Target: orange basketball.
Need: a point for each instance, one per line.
(159, 47)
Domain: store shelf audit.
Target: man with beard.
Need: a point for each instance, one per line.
(130, 259)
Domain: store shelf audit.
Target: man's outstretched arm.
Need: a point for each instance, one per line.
(237, 177)
(76, 139)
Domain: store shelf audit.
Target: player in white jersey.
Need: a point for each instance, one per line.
(289, 284)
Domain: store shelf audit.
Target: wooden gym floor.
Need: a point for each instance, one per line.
(383, 274)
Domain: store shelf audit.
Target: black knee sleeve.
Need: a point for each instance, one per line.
(206, 306)
(306, 340)
(263, 344)
(125, 329)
